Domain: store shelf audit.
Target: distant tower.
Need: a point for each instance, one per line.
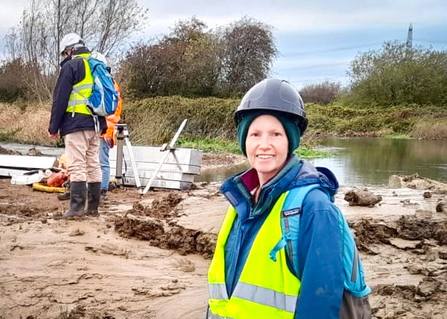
(410, 36)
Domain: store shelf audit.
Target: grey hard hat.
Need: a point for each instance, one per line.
(273, 95)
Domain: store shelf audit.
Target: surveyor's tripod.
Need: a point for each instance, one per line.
(122, 136)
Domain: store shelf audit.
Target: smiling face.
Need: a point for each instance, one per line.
(266, 146)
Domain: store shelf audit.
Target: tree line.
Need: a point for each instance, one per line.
(195, 61)
(33, 45)
(192, 60)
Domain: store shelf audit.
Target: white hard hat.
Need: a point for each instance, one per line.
(99, 56)
(70, 40)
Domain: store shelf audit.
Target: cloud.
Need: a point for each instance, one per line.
(316, 38)
(302, 16)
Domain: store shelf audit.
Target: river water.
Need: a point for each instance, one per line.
(363, 162)
(370, 161)
(355, 161)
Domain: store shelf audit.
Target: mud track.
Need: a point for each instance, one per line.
(156, 224)
(148, 257)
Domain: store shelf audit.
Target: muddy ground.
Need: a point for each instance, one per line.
(147, 257)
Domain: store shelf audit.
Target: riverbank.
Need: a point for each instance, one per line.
(148, 257)
(210, 123)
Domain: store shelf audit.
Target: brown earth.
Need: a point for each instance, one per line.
(147, 257)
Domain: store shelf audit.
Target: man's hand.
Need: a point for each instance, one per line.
(54, 136)
(108, 140)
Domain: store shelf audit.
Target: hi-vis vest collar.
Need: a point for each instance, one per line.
(81, 91)
(266, 288)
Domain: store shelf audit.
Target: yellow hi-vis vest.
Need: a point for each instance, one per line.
(81, 91)
(266, 289)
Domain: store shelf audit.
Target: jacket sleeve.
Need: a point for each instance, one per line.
(320, 262)
(61, 96)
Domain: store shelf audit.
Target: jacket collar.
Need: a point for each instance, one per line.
(81, 51)
(295, 173)
(238, 188)
(68, 58)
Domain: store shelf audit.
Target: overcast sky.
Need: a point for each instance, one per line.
(317, 39)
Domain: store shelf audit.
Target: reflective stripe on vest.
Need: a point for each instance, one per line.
(81, 91)
(256, 294)
(213, 316)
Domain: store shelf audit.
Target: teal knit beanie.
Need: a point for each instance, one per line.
(292, 131)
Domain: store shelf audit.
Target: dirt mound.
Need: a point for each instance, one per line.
(174, 237)
(154, 223)
(143, 256)
(215, 160)
(415, 181)
(5, 151)
(34, 152)
(420, 240)
(369, 232)
(163, 208)
(362, 197)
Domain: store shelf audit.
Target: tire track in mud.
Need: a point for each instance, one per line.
(156, 224)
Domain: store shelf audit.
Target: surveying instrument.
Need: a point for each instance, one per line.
(122, 136)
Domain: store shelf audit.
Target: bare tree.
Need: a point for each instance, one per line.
(194, 61)
(322, 93)
(199, 62)
(249, 51)
(104, 25)
(185, 62)
(13, 43)
(117, 20)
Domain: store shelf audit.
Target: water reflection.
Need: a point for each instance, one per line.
(356, 161)
(24, 148)
(370, 161)
(220, 174)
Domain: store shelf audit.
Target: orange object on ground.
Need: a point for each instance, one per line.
(57, 179)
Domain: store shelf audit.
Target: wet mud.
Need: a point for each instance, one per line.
(155, 224)
(422, 241)
(148, 257)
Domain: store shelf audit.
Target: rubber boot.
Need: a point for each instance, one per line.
(64, 196)
(104, 198)
(94, 195)
(78, 193)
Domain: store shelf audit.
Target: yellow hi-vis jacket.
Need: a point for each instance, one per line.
(266, 289)
(82, 90)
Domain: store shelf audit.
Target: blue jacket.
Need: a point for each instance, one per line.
(320, 244)
(72, 72)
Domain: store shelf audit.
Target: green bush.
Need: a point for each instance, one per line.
(396, 75)
(11, 81)
(154, 121)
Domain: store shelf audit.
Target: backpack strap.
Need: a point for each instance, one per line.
(290, 224)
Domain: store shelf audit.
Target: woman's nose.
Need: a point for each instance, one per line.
(264, 141)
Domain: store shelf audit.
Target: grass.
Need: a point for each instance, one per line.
(28, 127)
(211, 145)
(210, 125)
(399, 136)
(223, 146)
(304, 152)
(430, 129)
(9, 135)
